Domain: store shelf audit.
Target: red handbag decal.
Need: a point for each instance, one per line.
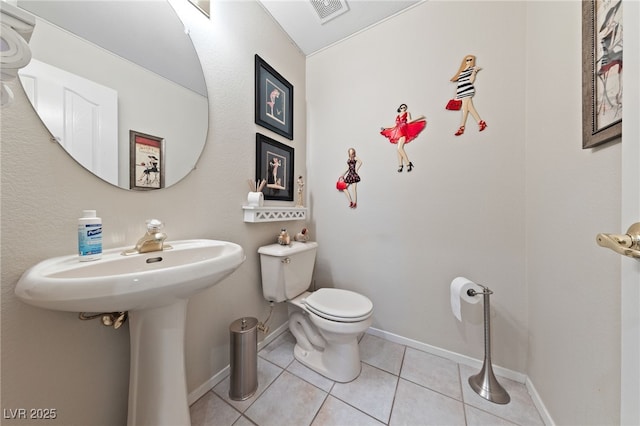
(454, 105)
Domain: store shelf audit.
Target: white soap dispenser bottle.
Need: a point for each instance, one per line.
(89, 236)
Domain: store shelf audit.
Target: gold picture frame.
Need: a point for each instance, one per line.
(601, 72)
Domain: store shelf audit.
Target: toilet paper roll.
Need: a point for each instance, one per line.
(255, 199)
(459, 287)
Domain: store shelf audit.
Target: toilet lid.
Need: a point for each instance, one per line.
(339, 305)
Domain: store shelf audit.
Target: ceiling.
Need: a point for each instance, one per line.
(149, 23)
(302, 22)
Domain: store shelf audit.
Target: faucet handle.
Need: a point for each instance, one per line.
(154, 225)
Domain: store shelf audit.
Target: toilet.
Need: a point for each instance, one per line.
(327, 322)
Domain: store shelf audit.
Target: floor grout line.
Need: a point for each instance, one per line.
(466, 405)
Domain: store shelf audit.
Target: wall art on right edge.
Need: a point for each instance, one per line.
(601, 71)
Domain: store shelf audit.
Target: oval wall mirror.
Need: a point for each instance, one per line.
(119, 85)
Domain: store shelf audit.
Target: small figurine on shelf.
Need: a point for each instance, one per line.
(300, 187)
(302, 236)
(283, 238)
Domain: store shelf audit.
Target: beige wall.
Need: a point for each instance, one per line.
(461, 211)
(516, 207)
(53, 360)
(572, 194)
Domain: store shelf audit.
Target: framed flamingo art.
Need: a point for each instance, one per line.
(274, 100)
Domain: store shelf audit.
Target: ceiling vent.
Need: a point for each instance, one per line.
(329, 9)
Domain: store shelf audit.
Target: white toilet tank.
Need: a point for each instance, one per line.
(286, 270)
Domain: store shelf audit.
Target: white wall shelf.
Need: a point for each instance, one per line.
(273, 214)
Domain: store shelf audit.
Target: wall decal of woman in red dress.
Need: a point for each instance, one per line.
(404, 132)
(465, 77)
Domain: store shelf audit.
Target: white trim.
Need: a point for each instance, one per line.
(201, 390)
(630, 213)
(453, 356)
(273, 214)
(472, 362)
(537, 401)
(209, 384)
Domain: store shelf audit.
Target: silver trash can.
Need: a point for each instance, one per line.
(244, 358)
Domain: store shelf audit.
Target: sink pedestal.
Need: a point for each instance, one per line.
(154, 288)
(157, 380)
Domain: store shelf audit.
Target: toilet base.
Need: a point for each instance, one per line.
(343, 359)
(328, 348)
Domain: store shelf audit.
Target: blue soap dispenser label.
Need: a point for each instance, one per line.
(89, 239)
(89, 236)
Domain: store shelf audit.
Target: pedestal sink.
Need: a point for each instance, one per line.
(155, 288)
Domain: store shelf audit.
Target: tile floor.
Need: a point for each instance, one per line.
(398, 385)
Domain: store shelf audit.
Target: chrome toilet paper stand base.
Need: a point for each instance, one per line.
(485, 383)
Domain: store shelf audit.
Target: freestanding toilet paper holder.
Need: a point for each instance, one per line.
(485, 383)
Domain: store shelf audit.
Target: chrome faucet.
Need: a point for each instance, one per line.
(153, 240)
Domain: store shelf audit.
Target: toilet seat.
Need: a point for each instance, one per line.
(339, 305)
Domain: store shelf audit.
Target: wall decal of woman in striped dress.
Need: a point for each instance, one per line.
(465, 77)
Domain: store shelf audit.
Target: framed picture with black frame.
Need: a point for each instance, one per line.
(274, 164)
(274, 100)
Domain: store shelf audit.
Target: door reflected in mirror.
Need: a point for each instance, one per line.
(104, 69)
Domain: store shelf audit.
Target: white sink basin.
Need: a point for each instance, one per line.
(122, 283)
(155, 288)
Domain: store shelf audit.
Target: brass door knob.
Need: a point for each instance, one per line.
(626, 245)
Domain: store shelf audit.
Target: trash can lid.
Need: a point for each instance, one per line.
(242, 325)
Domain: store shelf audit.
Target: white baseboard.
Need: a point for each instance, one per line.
(453, 356)
(207, 386)
(199, 392)
(537, 401)
(472, 362)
